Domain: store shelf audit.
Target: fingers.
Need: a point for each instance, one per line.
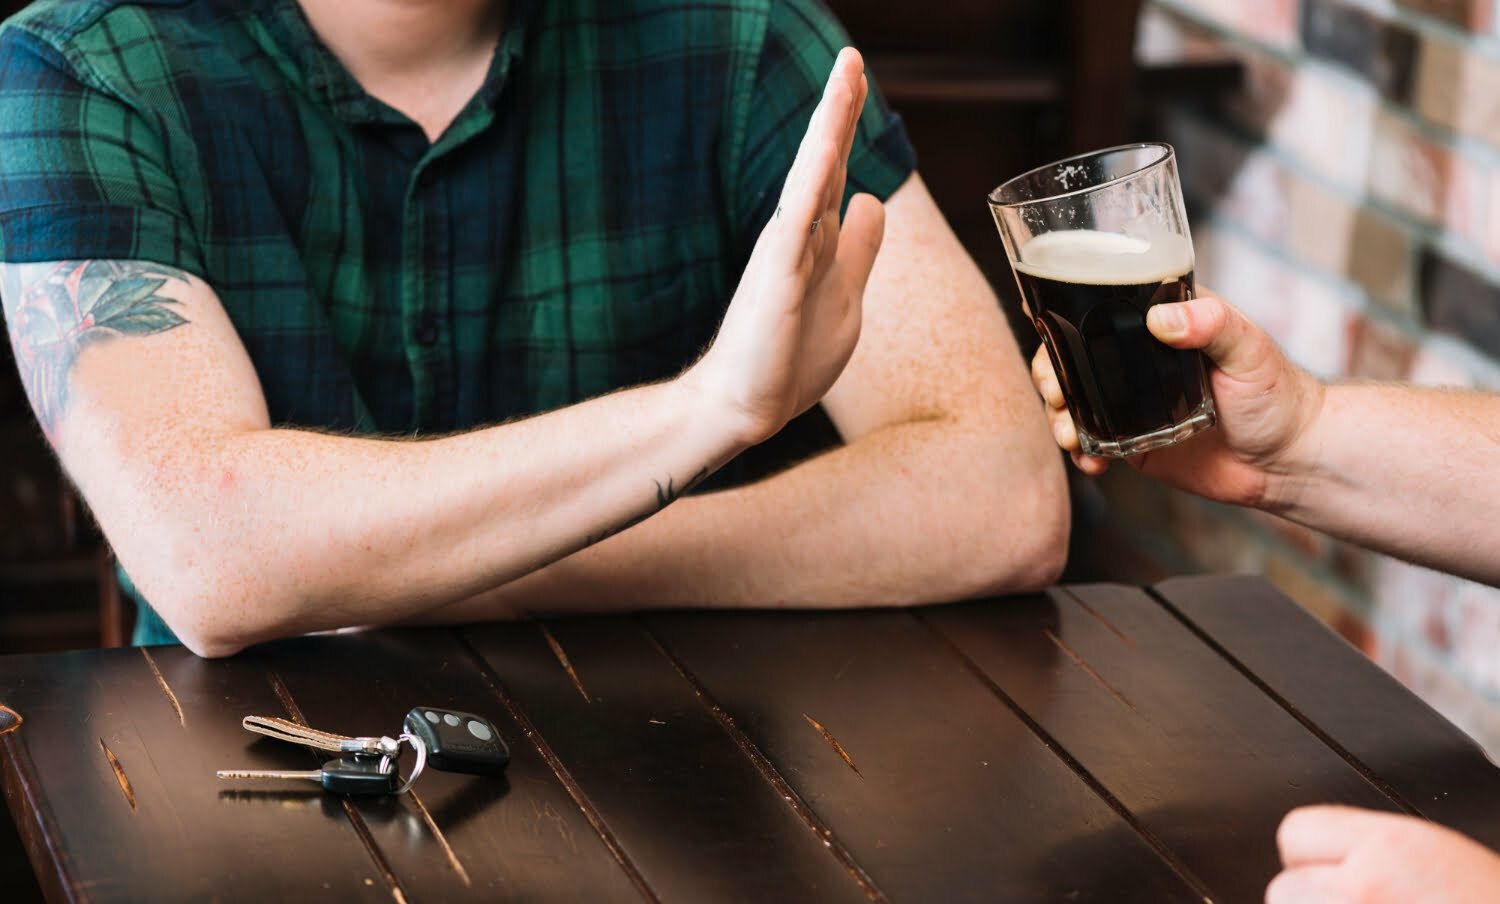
(1059, 420)
(1308, 885)
(1045, 378)
(860, 238)
(850, 67)
(1326, 834)
(814, 185)
(1235, 345)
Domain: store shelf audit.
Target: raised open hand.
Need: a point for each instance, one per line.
(795, 317)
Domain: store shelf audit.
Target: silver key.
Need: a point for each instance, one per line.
(349, 775)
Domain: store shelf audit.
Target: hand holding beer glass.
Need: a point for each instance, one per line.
(1095, 241)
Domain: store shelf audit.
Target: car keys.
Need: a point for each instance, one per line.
(351, 776)
(456, 741)
(287, 730)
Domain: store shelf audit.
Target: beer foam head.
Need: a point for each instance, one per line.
(1091, 258)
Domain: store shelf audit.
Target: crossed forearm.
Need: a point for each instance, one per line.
(917, 512)
(266, 533)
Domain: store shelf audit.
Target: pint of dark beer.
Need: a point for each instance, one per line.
(1094, 242)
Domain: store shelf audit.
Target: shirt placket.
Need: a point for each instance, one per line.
(426, 264)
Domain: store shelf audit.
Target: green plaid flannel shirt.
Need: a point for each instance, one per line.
(580, 227)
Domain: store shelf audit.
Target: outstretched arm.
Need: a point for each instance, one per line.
(1401, 469)
(240, 532)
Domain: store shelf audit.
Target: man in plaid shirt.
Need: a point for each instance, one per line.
(329, 307)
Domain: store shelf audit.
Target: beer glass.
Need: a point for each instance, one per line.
(1095, 241)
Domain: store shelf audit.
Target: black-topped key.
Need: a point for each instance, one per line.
(458, 742)
(350, 776)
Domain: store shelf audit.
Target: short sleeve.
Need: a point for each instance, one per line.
(83, 173)
(802, 41)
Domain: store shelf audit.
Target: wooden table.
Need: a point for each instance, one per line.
(1098, 743)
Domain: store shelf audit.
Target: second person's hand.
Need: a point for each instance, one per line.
(1266, 407)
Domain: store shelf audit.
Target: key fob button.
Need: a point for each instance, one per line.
(458, 741)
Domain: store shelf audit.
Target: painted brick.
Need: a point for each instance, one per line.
(1489, 218)
(1382, 260)
(1311, 546)
(1442, 361)
(1266, 87)
(1466, 203)
(1408, 170)
(1461, 302)
(1272, 21)
(1379, 350)
(1459, 87)
(1319, 226)
(1303, 314)
(1431, 681)
(1328, 122)
(1475, 15)
(1354, 565)
(1476, 637)
(1413, 602)
(1379, 51)
(1312, 590)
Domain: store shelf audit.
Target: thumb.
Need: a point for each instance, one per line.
(860, 236)
(1238, 347)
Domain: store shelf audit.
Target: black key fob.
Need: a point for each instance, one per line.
(458, 742)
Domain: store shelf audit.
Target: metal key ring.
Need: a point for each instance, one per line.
(420, 747)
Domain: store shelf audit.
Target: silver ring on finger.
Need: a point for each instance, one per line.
(815, 224)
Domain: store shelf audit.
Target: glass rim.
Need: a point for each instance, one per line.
(1167, 155)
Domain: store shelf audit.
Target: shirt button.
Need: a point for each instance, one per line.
(427, 332)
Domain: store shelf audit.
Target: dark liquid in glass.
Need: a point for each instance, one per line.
(1119, 380)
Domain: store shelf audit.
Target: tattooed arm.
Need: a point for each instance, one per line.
(238, 532)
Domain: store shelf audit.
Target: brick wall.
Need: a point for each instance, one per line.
(1348, 198)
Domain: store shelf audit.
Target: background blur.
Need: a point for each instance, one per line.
(1342, 159)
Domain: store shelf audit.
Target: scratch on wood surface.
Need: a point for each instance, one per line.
(10, 720)
(114, 763)
(1100, 618)
(562, 657)
(774, 778)
(570, 784)
(1089, 669)
(442, 839)
(165, 688)
(834, 743)
(544, 813)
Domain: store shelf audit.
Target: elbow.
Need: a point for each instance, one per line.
(1026, 549)
(194, 609)
(207, 603)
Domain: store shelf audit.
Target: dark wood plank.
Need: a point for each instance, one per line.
(456, 837)
(682, 798)
(1418, 754)
(936, 788)
(162, 827)
(1198, 754)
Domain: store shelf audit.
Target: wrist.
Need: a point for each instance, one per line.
(711, 408)
(1289, 472)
